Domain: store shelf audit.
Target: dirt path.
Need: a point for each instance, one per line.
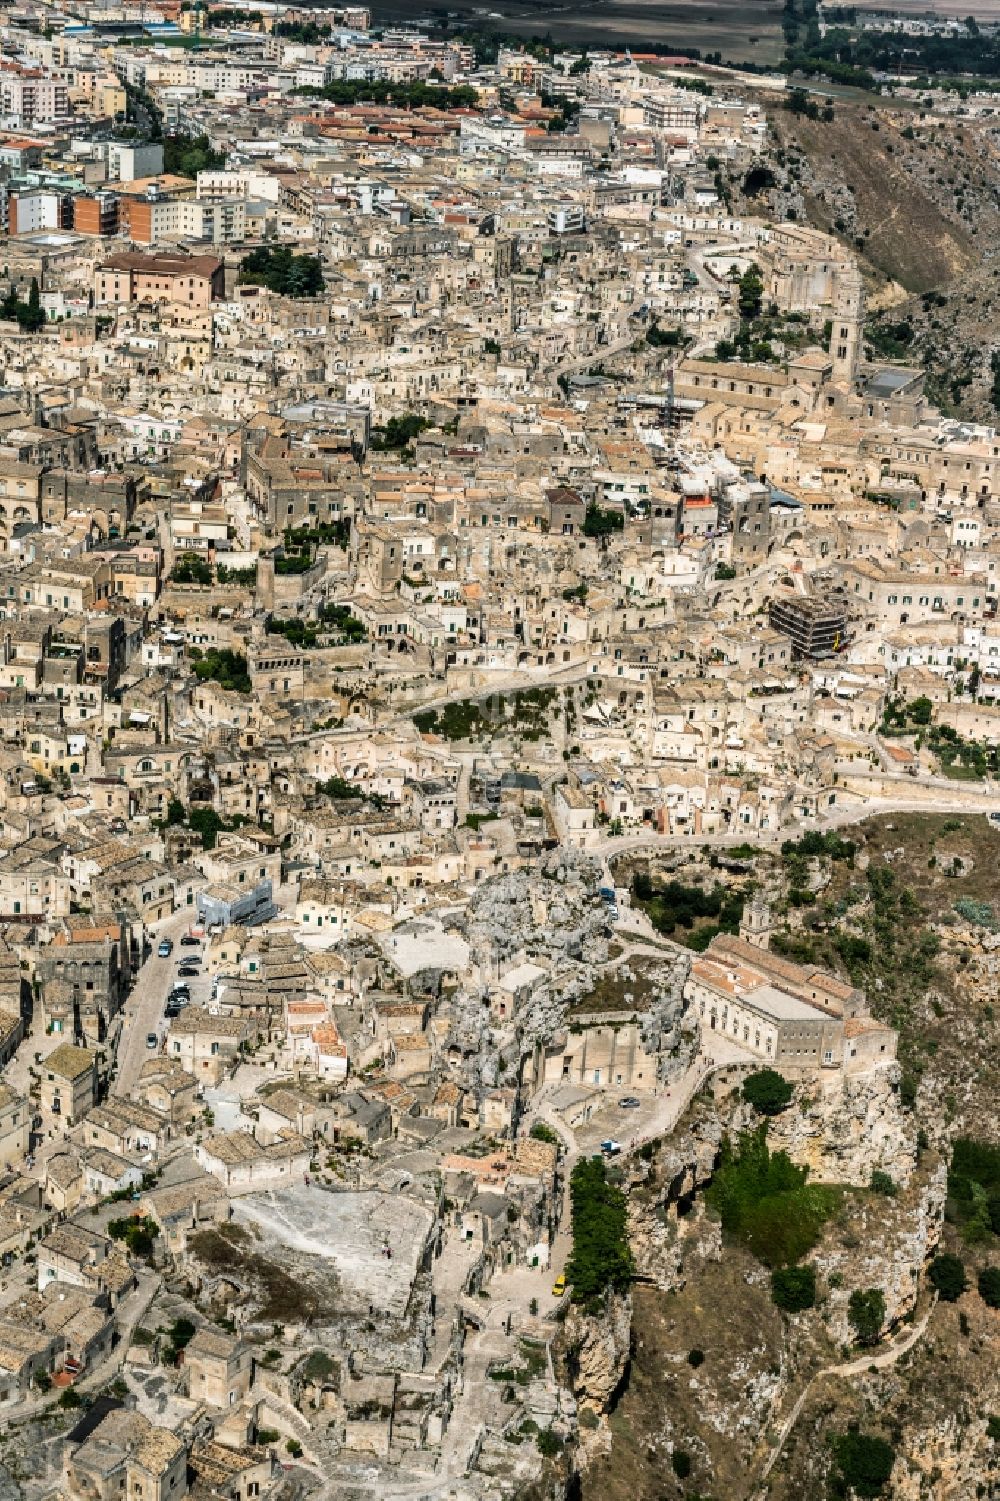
(878, 1358)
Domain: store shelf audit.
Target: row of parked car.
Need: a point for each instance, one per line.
(188, 968)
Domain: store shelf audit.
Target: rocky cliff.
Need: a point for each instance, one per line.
(844, 1128)
(888, 1244)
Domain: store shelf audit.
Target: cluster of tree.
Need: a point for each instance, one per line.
(138, 1233)
(890, 340)
(400, 95)
(995, 378)
(813, 844)
(746, 346)
(798, 102)
(600, 521)
(751, 341)
(766, 1202)
(342, 791)
(225, 667)
(698, 85)
(296, 562)
(186, 156)
(566, 109)
(899, 716)
(179, 1336)
(488, 45)
(751, 294)
(864, 1463)
(338, 532)
(202, 820)
(798, 17)
(398, 432)
(307, 32)
(866, 1314)
(974, 1189)
(30, 315)
(339, 618)
(961, 757)
(305, 634)
(244, 577)
(865, 53)
(278, 268)
(663, 338)
(814, 66)
(191, 568)
(601, 1258)
(225, 20)
(676, 906)
(793, 1288)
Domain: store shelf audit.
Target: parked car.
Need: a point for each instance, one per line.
(190, 941)
(166, 948)
(559, 1285)
(611, 1148)
(188, 972)
(152, 1041)
(629, 1102)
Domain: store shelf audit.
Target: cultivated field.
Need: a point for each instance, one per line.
(984, 10)
(743, 31)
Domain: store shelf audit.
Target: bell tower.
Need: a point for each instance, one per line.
(755, 926)
(847, 324)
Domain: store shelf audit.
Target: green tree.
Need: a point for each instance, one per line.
(793, 1288)
(35, 317)
(765, 1201)
(549, 1443)
(767, 1091)
(186, 156)
(751, 294)
(864, 1462)
(601, 522)
(866, 1312)
(947, 1276)
(279, 269)
(988, 1283)
(600, 1258)
(399, 432)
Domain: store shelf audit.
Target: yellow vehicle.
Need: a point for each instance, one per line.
(559, 1285)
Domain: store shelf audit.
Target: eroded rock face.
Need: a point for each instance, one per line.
(597, 1351)
(665, 1245)
(552, 915)
(890, 1243)
(844, 1128)
(947, 1462)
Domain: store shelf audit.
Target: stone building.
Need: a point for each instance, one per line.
(794, 1016)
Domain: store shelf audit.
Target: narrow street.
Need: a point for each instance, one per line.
(143, 1012)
